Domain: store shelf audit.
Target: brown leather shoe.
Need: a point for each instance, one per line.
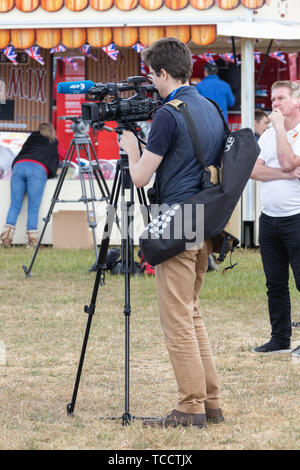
(214, 415)
(177, 418)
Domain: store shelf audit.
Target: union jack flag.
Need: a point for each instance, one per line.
(111, 51)
(34, 53)
(10, 53)
(279, 56)
(228, 56)
(143, 69)
(86, 50)
(59, 48)
(208, 57)
(138, 47)
(69, 60)
(257, 57)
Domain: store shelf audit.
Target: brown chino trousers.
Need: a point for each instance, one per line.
(179, 281)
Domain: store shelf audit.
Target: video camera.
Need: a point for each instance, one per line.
(107, 103)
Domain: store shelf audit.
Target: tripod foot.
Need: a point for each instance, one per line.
(26, 271)
(126, 419)
(70, 409)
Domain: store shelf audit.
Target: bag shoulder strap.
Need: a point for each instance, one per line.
(181, 107)
(226, 128)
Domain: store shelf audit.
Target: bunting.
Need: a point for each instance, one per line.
(208, 57)
(69, 60)
(59, 48)
(86, 50)
(10, 53)
(228, 57)
(34, 53)
(111, 51)
(257, 57)
(143, 69)
(138, 47)
(279, 56)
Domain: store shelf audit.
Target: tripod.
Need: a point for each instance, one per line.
(122, 182)
(80, 141)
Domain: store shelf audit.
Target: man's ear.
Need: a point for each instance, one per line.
(164, 74)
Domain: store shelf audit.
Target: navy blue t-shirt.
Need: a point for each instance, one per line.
(179, 174)
(164, 130)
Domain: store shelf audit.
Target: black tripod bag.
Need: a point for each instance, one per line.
(160, 241)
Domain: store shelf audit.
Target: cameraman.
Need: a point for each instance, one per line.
(169, 152)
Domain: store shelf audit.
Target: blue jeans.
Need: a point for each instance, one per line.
(279, 240)
(30, 178)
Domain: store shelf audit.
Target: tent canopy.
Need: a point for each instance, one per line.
(74, 22)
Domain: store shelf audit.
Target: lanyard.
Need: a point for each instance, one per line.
(171, 95)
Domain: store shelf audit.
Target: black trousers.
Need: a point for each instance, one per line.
(279, 240)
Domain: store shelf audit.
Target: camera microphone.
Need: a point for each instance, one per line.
(80, 87)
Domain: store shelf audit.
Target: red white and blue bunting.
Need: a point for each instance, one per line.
(10, 53)
(34, 53)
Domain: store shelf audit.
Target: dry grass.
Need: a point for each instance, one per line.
(42, 327)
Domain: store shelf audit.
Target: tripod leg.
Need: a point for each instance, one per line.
(89, 201)
(126, 417)
(70, 406)
(46, 219)
(127, 269)
(144, 206)
(99, 175)
(98, 281)
(97, 171)
(90, 311)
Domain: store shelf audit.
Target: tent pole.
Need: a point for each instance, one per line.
(247, 120)
(247, 82)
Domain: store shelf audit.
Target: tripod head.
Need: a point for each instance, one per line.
(81, 127)
(78, 126)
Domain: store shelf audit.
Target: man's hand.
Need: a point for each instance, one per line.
(295, 174)
(141, 167)
(277, 119)
(129, 143)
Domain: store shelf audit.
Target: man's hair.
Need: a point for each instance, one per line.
(259, 114)
(169, 54)
(211, 69)
(293, 87)
(47, 130)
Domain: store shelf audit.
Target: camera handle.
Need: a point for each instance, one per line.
(134, 128)
(122, 182)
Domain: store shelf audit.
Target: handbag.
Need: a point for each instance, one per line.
(204, 215)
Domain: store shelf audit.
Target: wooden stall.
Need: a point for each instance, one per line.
(28, 99)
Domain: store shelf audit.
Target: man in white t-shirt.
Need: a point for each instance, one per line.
(278, 169)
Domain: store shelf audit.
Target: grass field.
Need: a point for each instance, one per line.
(42, 329)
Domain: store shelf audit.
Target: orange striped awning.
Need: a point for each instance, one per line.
(102, 5)
(19, 20)
(99, 37)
